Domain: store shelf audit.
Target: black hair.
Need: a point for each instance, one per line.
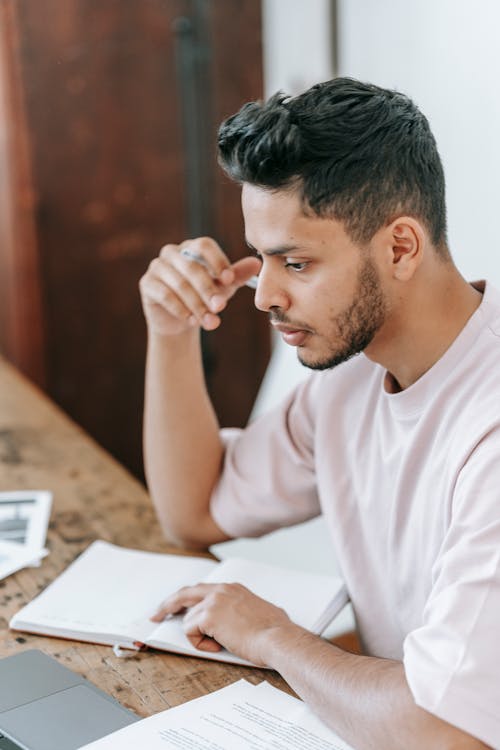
(357, 152)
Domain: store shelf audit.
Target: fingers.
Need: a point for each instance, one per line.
(198, 629)
(159, 294)
(181, 600)
(190, 285)
(196, 622)
(191, 291)
(192, 298)
(244, 269)
(192, 281)
(209, 255)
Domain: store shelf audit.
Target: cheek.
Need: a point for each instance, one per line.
(327, 300)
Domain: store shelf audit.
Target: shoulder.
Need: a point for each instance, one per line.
(482, 362)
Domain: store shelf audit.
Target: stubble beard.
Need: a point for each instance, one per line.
(358, 324)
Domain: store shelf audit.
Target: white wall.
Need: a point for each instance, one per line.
(296, 44)
(445, 54)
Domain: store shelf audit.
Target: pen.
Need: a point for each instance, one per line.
(196, 258)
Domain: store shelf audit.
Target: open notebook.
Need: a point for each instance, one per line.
(109, 593)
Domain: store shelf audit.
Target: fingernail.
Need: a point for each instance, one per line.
(210, 321)
(217, 302)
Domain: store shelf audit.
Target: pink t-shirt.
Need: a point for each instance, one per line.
(409, 485)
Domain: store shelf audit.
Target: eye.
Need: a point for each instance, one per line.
(294, 265)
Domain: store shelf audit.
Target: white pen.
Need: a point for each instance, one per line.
(196, 258)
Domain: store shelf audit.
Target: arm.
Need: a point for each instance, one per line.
(180, 426)
(180, 430)
(366, 700)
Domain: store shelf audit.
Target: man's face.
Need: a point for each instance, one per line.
(322, 291)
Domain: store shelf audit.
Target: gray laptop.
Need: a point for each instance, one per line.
(44, 706)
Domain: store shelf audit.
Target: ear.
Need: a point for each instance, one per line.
(405, 242)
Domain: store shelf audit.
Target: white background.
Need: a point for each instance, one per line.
(445, 54)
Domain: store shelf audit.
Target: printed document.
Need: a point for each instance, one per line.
(238, 717)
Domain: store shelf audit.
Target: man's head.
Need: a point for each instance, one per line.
(324, 175)
(356, 152)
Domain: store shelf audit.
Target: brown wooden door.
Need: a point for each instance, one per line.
(103, 164)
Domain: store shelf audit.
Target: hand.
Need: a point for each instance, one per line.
(227, 615)
(178, 293)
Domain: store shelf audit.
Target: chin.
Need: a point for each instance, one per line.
(313, 361)
(326, 362)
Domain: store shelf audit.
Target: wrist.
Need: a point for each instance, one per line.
(184, 341)
(169, 357)
(279, 642)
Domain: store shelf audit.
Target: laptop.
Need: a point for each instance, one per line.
(45, 706)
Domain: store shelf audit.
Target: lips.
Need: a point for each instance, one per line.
(291, 336)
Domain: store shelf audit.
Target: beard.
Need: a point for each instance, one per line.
(356, 326)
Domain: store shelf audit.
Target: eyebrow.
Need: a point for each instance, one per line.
(281, 250)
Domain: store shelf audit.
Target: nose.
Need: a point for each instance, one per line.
(270, 293)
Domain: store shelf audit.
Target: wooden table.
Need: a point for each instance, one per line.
(94, 498)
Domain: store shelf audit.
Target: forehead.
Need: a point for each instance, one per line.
(271, 207)
(274, 218)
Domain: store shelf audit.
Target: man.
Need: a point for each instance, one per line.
(343, 202)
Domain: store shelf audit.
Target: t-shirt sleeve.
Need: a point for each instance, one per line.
(268, 479)
(452, 661)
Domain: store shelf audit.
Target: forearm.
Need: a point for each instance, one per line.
(366, 700)
(184, 289)
(182, 450)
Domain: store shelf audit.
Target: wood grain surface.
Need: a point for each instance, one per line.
(94, 498)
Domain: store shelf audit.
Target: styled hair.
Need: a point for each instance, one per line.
(356, 152)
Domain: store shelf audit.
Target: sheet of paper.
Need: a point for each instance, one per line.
(238, 717)
(14, 557)
(24, 517)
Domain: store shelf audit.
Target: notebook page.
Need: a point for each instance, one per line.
(112, 589)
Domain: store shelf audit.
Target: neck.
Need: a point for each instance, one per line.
(422, 324)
